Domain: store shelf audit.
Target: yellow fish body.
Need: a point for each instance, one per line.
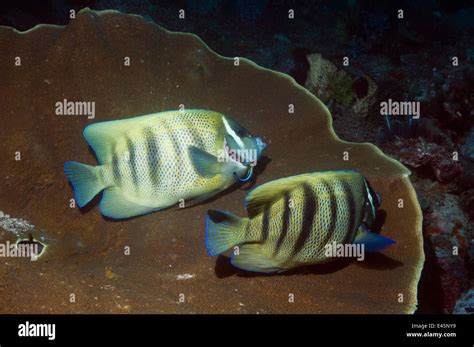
(151, 162)
(293, 220)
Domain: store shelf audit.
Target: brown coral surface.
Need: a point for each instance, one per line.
(168, 261)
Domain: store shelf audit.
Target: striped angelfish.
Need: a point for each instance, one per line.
(151, 162)
(293, 220)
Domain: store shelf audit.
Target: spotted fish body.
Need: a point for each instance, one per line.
(146, 162)
(291, 220)
(150, 163)
(297, 226)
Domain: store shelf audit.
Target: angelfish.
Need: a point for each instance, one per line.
(293, 220)
(151, 162)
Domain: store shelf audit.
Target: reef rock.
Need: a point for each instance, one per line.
(134, 265)
(465, 305)
(450, 233)
(468, 148)
(434, 159)
(351, 89)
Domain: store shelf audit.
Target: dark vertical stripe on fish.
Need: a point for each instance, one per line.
(174, 140)
(352, 211)
(309, 212)
(285, 223)
(247, 235)
(195, 133)
(265, 223)
(333, 211)
(115, 167)
(153, 156)
(133, 162)
(177, 149)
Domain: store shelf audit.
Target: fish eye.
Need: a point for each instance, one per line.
(241, 133)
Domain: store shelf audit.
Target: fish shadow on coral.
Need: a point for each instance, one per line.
(224, 268)
(91, 205)
(379, 221)
(379, 261)
(376, 261)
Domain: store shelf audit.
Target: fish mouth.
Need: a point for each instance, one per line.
(246, 178)
(234, 156)
(261, 145)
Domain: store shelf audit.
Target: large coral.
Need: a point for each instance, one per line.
(143, 264)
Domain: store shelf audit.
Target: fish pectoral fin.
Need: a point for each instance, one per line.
(251, 257)
(372, 242)
(115, 205)
(205, 164)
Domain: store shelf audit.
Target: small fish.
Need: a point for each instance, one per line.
(293, 220)
(151, 162)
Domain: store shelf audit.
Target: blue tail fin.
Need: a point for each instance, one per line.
(223, 231)
(85, 181)
(372, 242)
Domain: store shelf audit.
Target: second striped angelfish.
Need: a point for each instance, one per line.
(151, 162)
(294, 221)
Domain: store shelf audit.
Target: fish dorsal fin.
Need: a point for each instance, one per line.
(260, 197)
(103, 135)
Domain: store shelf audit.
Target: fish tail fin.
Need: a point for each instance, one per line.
(372, 242)
(85, 180)
(223, 231)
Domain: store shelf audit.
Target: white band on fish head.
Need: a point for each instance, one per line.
(232, 133)
(369, 196)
